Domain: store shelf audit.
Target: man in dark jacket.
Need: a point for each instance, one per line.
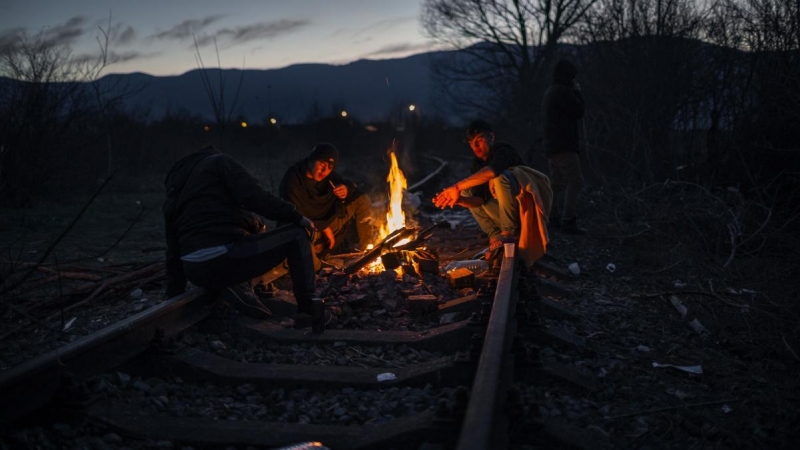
(215, 235)
(498, 214)
(326, 197)
(562, 110)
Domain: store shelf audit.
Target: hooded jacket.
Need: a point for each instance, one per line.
(562, 108)
(212, 200)
(314, 199)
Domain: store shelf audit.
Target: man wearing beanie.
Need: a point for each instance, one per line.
(562, 110)
(325, 197)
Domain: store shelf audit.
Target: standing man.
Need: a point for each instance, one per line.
(562, 110)
(326, 197)
(490, 192)
(215, 235)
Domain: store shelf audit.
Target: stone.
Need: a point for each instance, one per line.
(421, 304)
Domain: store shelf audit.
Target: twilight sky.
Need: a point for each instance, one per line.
(156, 36)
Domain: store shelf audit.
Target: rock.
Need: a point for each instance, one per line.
(245, 389)
(448, 318)
(112, 438)
(422, 304)
(142, 386)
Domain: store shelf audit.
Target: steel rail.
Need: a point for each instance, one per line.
(33, 384)
(485, 404)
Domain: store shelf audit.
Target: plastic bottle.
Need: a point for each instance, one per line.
(476, 266)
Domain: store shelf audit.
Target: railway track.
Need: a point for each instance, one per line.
(448, 386)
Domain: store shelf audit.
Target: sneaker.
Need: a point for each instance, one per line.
(242, 298)
(571, 227)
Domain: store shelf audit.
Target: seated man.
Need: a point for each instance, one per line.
(325, 197)
(214, 233)
(491, 193)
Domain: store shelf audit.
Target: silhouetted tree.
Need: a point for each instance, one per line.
(505, 48)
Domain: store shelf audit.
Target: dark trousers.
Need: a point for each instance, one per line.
(360, 210)
(255, 255)
(566, 180)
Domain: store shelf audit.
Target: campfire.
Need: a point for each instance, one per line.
(399, 248)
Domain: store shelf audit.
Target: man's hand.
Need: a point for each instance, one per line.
(310, 228)
(340, 191)
(448, 197)
(329, 234)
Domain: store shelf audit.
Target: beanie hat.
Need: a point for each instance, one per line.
(564, 71)
(476, 127)
(324, 152)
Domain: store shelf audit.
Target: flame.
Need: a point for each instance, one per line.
(395, 219)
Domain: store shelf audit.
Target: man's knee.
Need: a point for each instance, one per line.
(363, 201)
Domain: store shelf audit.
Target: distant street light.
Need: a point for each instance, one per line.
(412, 107)
(206, 128)
(244, 124)
(344, 113)
(273, 121)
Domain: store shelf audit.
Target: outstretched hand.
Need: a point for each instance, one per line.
(448, 197)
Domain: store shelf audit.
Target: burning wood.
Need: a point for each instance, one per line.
(394, 243)
(385, 245)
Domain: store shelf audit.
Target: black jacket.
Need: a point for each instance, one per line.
(212, 200)
(314, 199)
(501, 157)
(562, 109)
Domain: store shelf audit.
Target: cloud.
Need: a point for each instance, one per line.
(383, 25)
(264, 30)
(9, 39)
(113, 57)
(126, 36)
(394, 49)
(187, 28)
(48, 37)
(67, 32)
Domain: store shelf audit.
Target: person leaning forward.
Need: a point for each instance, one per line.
(216, 237)
(501, 191)
(327, 198)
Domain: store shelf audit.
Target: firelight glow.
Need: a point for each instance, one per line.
(395, 218)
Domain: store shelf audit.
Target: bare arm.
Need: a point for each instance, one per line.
(452, 196)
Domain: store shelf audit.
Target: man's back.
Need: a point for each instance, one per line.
(211, 200)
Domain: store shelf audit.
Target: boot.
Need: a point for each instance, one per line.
(571, 227)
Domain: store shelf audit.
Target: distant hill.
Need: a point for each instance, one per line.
(367, 89)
